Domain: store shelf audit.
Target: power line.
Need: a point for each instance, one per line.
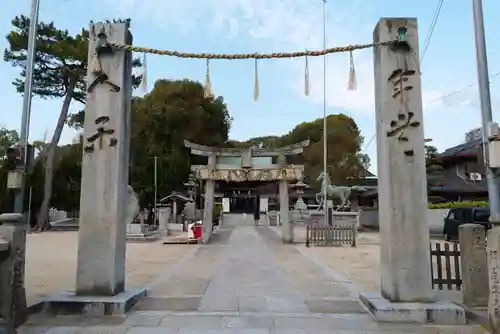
(368, 143)
(439, 99)
(431, 29)
(462, 89)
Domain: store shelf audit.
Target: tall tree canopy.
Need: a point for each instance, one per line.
(174, 111)
(59, 72)
(344, 141)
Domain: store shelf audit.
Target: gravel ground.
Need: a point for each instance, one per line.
(51, 263)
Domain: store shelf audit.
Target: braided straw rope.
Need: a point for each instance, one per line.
(180, 54)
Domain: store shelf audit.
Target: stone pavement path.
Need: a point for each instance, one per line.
(244, 282)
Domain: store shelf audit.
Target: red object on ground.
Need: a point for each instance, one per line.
(197, 230)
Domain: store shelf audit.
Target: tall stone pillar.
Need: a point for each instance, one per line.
(105, 165)
(286, 224)
(407, 293)
(174, 210)
(402, 186)
(209, 202)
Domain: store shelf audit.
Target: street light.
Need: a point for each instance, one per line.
(28, 92)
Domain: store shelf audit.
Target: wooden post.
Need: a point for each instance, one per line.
(105, 164)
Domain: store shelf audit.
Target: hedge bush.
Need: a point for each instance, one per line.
(451, 205)
(446, 205)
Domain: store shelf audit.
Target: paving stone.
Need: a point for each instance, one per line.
(248, 322)
(252, 303)
(140, 319)
(192, 321)
(341, 321)
(151, 330)
(249, 268)
(73, 320)
(335, 306)
(314, 331)
(32, 329)
(245, 282)
(226, 331)
(63, 330)
(103, 330)
(285, 304)
(169, 304)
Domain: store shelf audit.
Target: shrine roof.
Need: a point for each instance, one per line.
(174, 196)
(293, 149)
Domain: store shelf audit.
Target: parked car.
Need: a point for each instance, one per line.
(464, 215)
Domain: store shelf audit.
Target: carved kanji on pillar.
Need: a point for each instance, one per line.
(399, 79)
(101, 132)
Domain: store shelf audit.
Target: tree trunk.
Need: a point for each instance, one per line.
(43, 214)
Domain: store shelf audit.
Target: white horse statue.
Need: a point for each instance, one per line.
(342, 193)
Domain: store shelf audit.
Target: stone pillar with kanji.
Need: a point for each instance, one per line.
(402, 182)
(105, 164)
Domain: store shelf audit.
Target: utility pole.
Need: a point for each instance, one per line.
(26, 112)
(325, 123)
(156, 189)
(492, 178)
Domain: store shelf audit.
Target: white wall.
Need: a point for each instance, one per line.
(435, 219)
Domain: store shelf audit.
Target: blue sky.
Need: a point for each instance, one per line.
(234, 26)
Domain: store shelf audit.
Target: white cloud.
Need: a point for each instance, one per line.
(283, 24)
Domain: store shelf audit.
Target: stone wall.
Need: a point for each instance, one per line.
(435, 219)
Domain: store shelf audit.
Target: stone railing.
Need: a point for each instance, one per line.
(13, 309)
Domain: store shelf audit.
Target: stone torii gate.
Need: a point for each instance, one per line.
(246, 164)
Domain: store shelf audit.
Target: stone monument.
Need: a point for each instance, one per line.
(132, 205)
(100, 282)
(13, 308)
(407, 294)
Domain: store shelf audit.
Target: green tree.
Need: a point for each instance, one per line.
(431, 152)
(59, 72)
(433, 168)
(174, 111)
(344, 142)
(345, 159)
(8, 138)
(68, 169)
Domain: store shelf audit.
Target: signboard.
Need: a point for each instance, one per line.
(225, 205)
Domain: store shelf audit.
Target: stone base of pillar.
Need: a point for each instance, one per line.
(439, 312)
(71, 304)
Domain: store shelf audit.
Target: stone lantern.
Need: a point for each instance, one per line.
(190, 207)
(299, 207)
(191, 186)
(299, 190)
